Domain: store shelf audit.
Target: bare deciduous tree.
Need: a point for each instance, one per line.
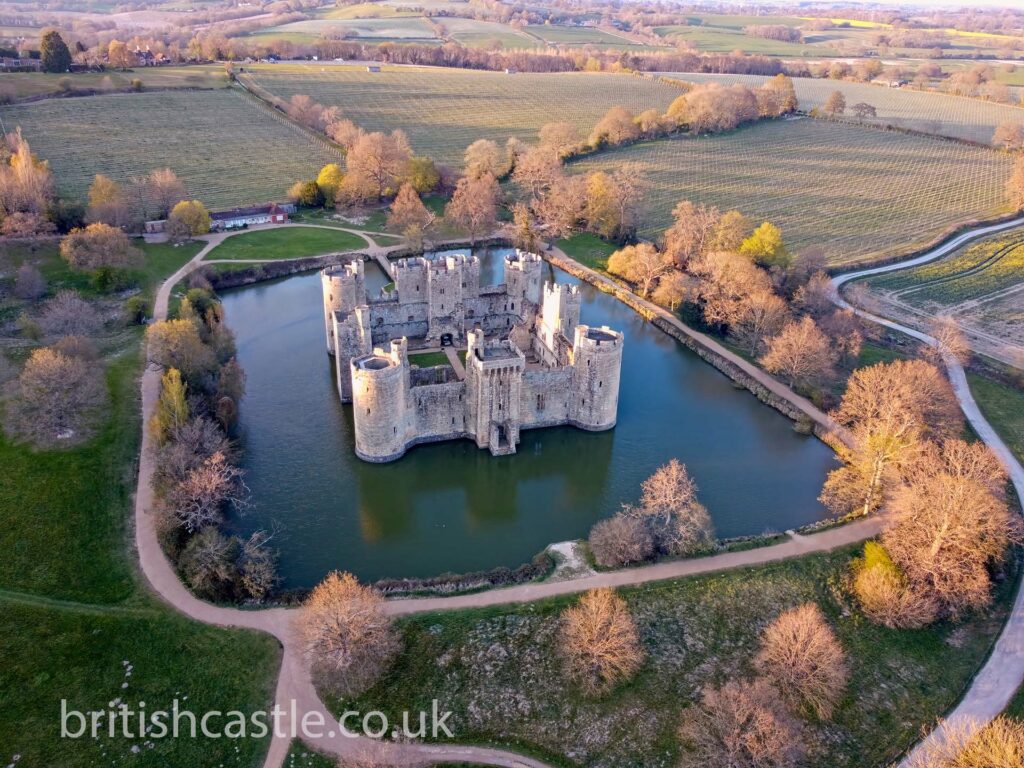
(621, 540)
(599, 641)
(950, 522)
(474, 205)
(198, 499)
(560, 138)
(67, 314)
(800, 353)
(801, 655)
(673, 289)
(762, 315)
(57, 398)
(29, 284)
(741, 725)
(692, 231)
(668, 504)
(347, 635)
(484, 157)
(888, 410)
(950, 338)
(1009, 136)
(374, 163)
(641, 264)
(999, 744)
(97, 246)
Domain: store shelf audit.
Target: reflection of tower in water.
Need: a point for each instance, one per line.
(560, 469)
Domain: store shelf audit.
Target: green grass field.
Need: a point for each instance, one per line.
(228, 148)
(285, 243)
(428, 359)
(73, 614)
(1003, 406)
(445, 110)
(954, 116)
(498, 671)
(28, 84)
(857, 192)
(587, 249)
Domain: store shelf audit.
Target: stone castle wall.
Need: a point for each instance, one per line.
(573, 376)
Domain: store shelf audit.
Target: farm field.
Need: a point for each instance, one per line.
(859, 193)
(228, 148)
(715, 40)
(954, 116)
(564, 35)
(394, 28)
(475, 33)
(445, 110)
(982, 285)
(25, 85)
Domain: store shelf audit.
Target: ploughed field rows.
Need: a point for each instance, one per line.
(981, 285)
(859, 193)
(944, 115)
(228, 148)
(445, 110)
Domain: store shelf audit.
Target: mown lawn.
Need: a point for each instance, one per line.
(428, 359)
(497, 669)
(285, 243)
(588, 249)
(72, 609)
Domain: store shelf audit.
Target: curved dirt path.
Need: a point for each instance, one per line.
(1003, 672)
(295, 693)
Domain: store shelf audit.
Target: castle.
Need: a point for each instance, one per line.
(529, 362)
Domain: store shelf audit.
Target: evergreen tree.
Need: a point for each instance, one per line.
(54, 53)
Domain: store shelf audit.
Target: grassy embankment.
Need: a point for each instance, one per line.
(497, 669)
(72, 608)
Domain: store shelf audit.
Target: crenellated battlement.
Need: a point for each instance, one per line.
(529, 362)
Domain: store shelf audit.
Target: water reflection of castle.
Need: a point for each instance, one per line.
(571, 469)
(529, 362)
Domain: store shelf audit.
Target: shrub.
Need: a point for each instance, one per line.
(29, 284)
(621, 540)
(599, 641)
(67, 314)
(883, 593)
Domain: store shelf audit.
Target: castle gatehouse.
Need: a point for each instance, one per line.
(529, 363)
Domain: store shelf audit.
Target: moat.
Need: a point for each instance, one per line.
(453, 507)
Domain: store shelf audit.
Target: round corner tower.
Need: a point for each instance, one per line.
(597, 365)
(344, 289)
(379, 383)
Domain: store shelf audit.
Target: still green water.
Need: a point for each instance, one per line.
(450, 507)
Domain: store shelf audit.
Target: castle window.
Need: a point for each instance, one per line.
(513, 305)
(463, 283)
(600, 384)
(540, 402)
(499, 406)
(410, 318)
(442, 291)
(396, 430)
(453, 421)
(367, 411)
(442, 307)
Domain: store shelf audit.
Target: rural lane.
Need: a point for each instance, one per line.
(1003, 672)
(295, 692)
